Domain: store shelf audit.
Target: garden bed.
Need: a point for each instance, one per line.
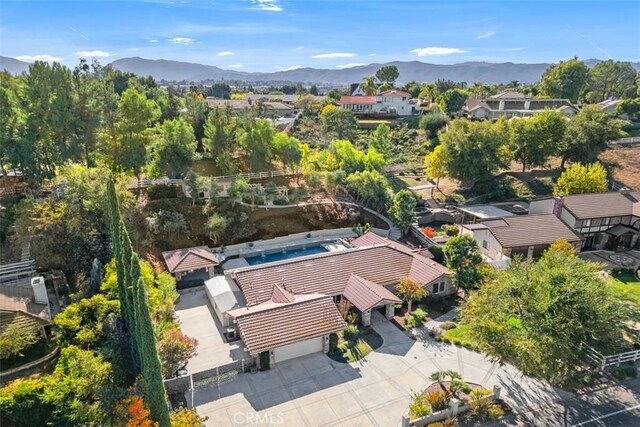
(355, 347)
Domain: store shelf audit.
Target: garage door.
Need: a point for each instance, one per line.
(297, 349)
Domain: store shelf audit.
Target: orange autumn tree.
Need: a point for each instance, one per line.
(132, 411)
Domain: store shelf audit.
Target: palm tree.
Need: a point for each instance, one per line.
(441, 376)
(369, 85)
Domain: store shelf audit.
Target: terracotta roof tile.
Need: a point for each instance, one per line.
(365, 294)
(272, 325)
(328, 273)
(372, 239)
(189, 259)
(395, 92)
(357, 100)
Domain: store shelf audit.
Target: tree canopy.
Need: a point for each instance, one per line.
(580, 179)
(565, 80)
(402, 209)
(463, 258)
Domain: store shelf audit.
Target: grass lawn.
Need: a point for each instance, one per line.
(627, 286)
(355, 349)
(460, 336)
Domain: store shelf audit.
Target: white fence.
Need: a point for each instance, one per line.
(146, 182)
(614, 360)
(626, 141)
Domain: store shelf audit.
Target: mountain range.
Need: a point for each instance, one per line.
(469, 72)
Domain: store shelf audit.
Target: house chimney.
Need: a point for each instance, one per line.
(557, 205)
(39, 290)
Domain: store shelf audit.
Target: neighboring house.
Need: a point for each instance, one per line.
(268, 108)
(189, 263)
(26, 295)
(387, 103)
(286, 99)
(475, 213)
(514, 104)
(606, 220)
(288, 307)
(526, 235)
(610, 106)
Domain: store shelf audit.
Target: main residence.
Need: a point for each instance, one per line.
(514, 104)
(389, 103)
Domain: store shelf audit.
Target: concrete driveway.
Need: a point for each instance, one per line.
(198, 320)
(316, 391)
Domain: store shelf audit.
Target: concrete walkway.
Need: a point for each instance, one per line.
(375, 391)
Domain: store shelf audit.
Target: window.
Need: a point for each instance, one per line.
(438, 288)
(605, 221)
(586, 223)
(484, 244)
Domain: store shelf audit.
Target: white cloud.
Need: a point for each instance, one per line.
(513, 49)
(291, 68)
(33, 58)
(267, 5)
(334, 55)
(181, 40)
(94, 53)
(486, 35)
(372, 54)
(225, 53)
(235, 66)
(351, 65)
(300, 48)
(153, 41)
(436, 51)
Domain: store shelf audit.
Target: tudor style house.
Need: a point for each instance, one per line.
(514, 104)
(288, 308)
(389, 103)
(605, 220)
(524, 235)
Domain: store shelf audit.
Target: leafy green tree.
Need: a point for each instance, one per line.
(196, 113)
(370, 187)
(545, 315)
(453, 100)
(16, 338)
(402, 209)
(580, 179)
(433, 122)
(410, 290)
(334, 94)
(238, 188)
(193, 186)
(565, 80)
(87, 323)
(587, 135)
(413, 88)
(215, 226)
(630, 107)
(533, 140)
(87, 108)
(175, 349)
(11, 128)
(135, 114)
(611, 79)
(380, 139)
(256, 138)
(463, 258)
(388, 74)
(288, 150)
(220, 138)
(167, 221)
(429, 92)
(435, 165)
(339, 123)
(474, 150)
(175, 149)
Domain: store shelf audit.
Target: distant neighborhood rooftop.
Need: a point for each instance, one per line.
(485, 211)
(189, 259)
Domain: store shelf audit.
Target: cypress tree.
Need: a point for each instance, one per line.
(135, 314)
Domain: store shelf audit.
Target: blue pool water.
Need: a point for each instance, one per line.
(279, 256)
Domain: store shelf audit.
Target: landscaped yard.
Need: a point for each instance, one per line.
(356, 347)
(627, 286)
(460, 335)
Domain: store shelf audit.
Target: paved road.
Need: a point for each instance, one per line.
(617, 405)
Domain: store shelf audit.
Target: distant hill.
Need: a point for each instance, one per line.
(413, 70)
(12, 65)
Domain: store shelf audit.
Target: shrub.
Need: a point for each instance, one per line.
(448, 325)
(436, 424)
(438, 255)
(437, 399)
(450, 230)
(419, 314)
(333, 342)
(624, 372)
(16, 339)
(420, 406)
(459, 385)
(495, 411)
(429, 232)
(410, 322)
(445, 340)
(350, 332)
(280, 201)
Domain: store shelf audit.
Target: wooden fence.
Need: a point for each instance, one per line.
(603, 362)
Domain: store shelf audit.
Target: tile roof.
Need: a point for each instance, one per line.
(357, 100)
(395, 92)
(584, 206)
(508, 95)
(328, 273)
(270, 325)
(189, 259)
(372, 239)
(365, 294)
(530, 230)
(281, 295)
(21, 298)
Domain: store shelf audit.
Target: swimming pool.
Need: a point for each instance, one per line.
(288, 254)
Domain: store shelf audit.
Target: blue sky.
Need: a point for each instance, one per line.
(271, 35)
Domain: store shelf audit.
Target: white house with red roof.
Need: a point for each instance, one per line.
(388, 103)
